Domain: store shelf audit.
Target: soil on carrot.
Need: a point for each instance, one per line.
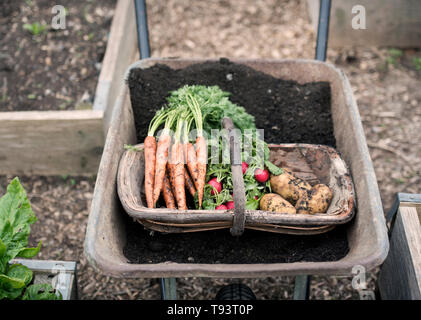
(288, 111)
(42, 68)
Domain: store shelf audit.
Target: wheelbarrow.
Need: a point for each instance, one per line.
(366, 234)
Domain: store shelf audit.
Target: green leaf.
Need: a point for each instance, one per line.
(16, 216)
(13, 283)
(29, 252)
(2, 249)
(10, 294)
(273, 169)
(41, 291)
(21, 272)
(10, 282)
(252, 204)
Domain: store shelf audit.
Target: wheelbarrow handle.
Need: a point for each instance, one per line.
(237, 178)
(142, 28)
(323, 30)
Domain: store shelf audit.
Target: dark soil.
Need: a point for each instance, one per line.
(55, 69)
(288, 111)
(219, 246)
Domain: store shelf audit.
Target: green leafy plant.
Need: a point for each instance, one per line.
(16, 216)
(35, 28)
(417, 63)
(394, 56)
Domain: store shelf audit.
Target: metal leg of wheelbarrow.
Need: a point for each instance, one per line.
(302, 287)
(168, 288)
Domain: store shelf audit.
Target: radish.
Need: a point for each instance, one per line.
(221, 207)
(215, 184)
(261, 175)
(244, 166)
(229, 205)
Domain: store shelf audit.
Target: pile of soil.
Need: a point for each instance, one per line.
(288, 111)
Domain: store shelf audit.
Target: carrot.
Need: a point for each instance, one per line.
(167, 193)
(189, 183)
(201, 147)
(170, 171)
(150, 156)
(191, 160)
(150, 150)
(177, 161)
(190, 153)
(162, 156)
(201, 150)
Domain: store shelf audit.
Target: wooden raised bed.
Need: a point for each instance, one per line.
(367, 234)
(400, 275)
(70, 142)
(60, 274)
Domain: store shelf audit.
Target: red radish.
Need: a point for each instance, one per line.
(256, 197)
(229, 205)
(244, 166)
(217, 185)
(261, 175)
(221, 207)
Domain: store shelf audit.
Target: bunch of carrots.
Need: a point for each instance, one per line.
(173, 164)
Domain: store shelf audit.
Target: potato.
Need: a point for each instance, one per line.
(288, 186)
(317, 200)
(275, 203)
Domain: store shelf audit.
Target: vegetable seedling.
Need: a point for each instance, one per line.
(35, 28)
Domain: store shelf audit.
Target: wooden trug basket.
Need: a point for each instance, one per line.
(313, 163)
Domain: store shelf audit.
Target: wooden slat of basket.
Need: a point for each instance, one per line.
(193, 225)
(292, 230)
(184, 228)
(171, 229)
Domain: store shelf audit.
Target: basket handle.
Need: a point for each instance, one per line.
(237, 178)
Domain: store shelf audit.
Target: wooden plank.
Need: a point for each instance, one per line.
(51, 142)
(120, 53)
(400, 276)
(389, 23)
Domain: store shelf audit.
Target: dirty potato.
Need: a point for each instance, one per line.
(317, 200)
(288, 186)
(275, 203)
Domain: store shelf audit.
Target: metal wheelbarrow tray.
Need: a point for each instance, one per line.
(366, 234)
